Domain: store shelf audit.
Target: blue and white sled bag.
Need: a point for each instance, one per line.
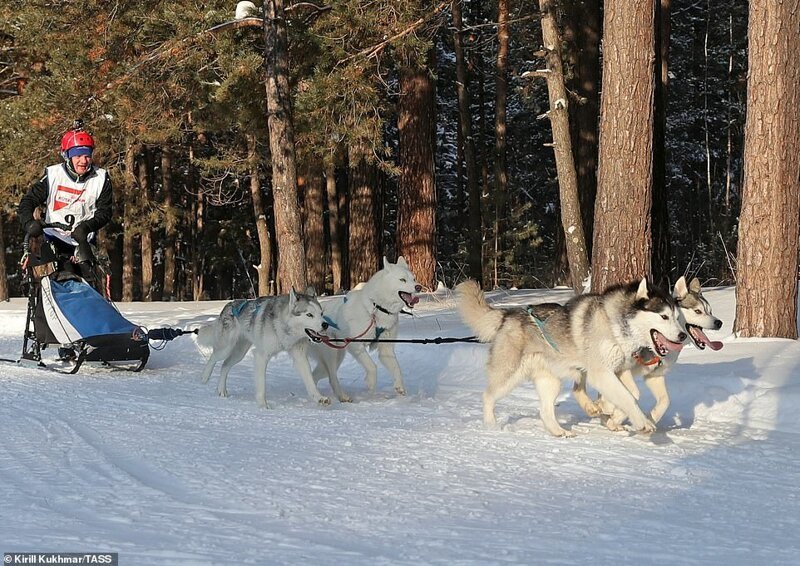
(76, 312)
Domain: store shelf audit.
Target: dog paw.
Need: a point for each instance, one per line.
(565, 434)
(613, 425)
(345, 399)
(324, 401)
(400, 389)
(592, 410)
(222, 392)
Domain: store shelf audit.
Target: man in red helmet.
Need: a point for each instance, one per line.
(74, 193)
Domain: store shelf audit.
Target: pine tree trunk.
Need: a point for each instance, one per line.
(143, 196)
(198, 255)
(170, 225)
(662, 255)
(766, 287)
(416, 202)
(571, 220)
(3, 265)
(262, 228)
(500, 165)
(333, 225)
(128, 223)
(363, 239)
(622, 243)
(474, 236)
(314, 227)
(288, 228)
(582, 30)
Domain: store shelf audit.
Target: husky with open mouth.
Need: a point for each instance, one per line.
(269, 325)
(593, 335)
(696, 317)
(370, 312)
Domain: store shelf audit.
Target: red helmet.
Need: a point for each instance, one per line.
(75, 138)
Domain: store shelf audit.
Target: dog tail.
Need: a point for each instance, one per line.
(484, 320)
(205, 336)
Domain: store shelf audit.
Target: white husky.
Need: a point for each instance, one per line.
(368, 313)
(695, 316)
(594, 334)
(270, 325)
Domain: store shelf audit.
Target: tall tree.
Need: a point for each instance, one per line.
(416, 210)
(363, 234)
(474, 236)
(333, 224)
(622, 241)
(143, 195)
(571, 220)
(582, 31)
(314, 225)
(288, 227)
(661, 260)
(129, 221)
(264, 266)
(766, 286)
(3, 274)
(170, 224)
(500, 127)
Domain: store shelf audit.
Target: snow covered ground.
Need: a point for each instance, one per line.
(156, 467)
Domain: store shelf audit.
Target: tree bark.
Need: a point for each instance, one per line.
(622, 243)
(333, 225)
(416, 203)
(500, 165)
(766, 287)
(288, 228)
(170, 225)
(143, 196)
(363, 237)
(314, 227)
(474, 236)
(128, 223)
(571, 220)
(3, 265)
(264, 266)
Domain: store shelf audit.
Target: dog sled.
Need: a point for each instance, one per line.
(67, 313)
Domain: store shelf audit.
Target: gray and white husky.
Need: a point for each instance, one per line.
(269, 325)
(370, 312)
(592, 334)
(695, 317)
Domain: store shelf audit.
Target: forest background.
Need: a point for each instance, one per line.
(248, 154)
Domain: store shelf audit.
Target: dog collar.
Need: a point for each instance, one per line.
(646, 357)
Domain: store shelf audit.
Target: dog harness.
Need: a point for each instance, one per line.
(540, 325)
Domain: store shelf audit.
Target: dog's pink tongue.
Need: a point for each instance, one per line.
(413, 299)
(674, 346)
(701, 337)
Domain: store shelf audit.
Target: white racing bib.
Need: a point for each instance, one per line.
(68, 198)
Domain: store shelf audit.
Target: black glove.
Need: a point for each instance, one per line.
(80, 232)
(34, 228)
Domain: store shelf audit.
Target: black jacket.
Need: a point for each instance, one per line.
(37, 196)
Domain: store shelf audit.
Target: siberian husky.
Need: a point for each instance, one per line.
(695, 317)
(370, 312)
(270, 325)
(593, 334)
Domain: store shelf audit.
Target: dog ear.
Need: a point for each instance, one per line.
(292, 297)
(641, 292)
(694, 286)
(310, 291)
(385, 262)
(680, 290)
(401, 261)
